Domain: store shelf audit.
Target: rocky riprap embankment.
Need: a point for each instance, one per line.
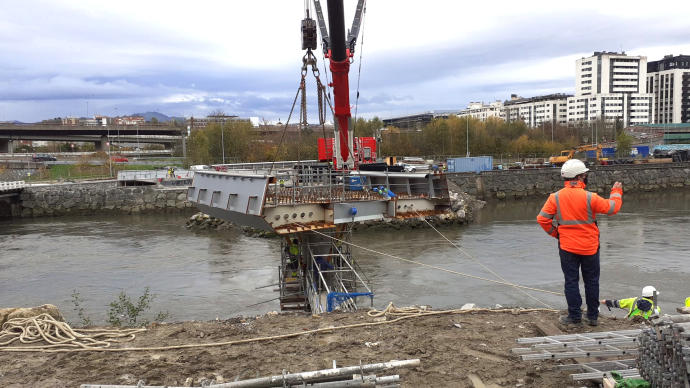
(202, 221)
(463, 207)
(99, 198)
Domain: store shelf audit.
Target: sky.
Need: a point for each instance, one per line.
(62, 58)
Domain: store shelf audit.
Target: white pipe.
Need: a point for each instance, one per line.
(294, 378)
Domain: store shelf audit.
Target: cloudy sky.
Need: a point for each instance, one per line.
(64, 57)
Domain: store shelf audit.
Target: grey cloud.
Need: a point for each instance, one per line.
(135, 68)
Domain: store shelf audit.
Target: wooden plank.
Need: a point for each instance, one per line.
(683, 310)
(476, 381)
(547, 329)
(609, 382)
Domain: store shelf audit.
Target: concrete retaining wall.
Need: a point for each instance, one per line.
(98, 198)
(516, 184)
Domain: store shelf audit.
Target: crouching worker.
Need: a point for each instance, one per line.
(643, 306)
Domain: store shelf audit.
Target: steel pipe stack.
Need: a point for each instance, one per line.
(664, 352)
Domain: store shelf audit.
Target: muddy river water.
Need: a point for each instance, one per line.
(207, 274)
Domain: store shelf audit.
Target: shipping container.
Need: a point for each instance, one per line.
(608, 152)
(472, 164)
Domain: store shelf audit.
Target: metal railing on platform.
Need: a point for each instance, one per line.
(334, 281)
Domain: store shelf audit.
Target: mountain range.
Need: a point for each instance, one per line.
(159, 116)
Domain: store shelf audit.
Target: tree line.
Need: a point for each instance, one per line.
(238, 141)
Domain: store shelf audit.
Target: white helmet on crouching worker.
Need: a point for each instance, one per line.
(573, 168)
(649, 291)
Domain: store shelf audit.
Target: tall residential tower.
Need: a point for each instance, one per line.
(611, 86)
(669, 81)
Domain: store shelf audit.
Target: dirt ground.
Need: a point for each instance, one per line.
(449, 354)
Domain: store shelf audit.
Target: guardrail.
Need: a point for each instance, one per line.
(151, 175)
(14, 185)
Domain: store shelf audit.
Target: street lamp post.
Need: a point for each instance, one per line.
(468, 136)
(110, 159)
(222, 140)
(184, 142)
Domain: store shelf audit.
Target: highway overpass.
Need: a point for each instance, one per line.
(12, 134)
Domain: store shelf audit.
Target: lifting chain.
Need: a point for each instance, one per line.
(309, 60)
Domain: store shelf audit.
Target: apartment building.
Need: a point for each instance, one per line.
(611, 86)
(669, 81)
(481, 111)
(535, 111)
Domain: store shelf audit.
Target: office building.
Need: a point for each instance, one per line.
(669, 81)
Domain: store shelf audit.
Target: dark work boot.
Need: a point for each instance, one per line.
(565, 320)
(592, 322)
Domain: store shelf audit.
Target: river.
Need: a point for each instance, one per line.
(205, 275)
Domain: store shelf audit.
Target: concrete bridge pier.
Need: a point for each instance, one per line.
(6, 146)
(101, 145)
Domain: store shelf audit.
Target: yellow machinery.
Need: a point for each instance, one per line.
(568, 154)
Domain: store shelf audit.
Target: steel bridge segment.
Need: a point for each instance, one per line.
(296, 198)
(309, 197)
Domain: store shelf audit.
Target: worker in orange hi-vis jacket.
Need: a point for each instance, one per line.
(570, 216)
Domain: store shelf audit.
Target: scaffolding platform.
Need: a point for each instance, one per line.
(322, 276)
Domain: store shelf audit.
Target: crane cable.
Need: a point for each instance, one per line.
(433, 266)
(294, 102)
(359, 71)
(480, 263)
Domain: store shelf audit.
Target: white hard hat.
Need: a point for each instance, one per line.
(649, 291)
(573, 168)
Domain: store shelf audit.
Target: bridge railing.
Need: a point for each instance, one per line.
(14, 185)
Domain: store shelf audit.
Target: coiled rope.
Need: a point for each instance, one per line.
(401, 313)
(57, 334)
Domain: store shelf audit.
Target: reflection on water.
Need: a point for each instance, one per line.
(204, 275)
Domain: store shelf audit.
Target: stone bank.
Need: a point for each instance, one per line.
(98, 198)
(516, 184)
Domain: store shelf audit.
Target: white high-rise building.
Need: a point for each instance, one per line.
(535, 111)
(482, 111)
(611, 86)
(669, 81)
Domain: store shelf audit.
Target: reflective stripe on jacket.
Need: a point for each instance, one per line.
(632, 304)
(570, 215)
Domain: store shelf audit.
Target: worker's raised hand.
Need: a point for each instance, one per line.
(603, 301)
(617, 185)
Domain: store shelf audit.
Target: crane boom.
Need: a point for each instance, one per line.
(340, 68)
(356, 24)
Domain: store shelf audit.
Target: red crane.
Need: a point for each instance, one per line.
(339, 49)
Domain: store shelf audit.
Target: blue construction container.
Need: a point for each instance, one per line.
(640, 151)
(472, 164)
(608, 152)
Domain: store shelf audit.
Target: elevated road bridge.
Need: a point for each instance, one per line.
(11, 134)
